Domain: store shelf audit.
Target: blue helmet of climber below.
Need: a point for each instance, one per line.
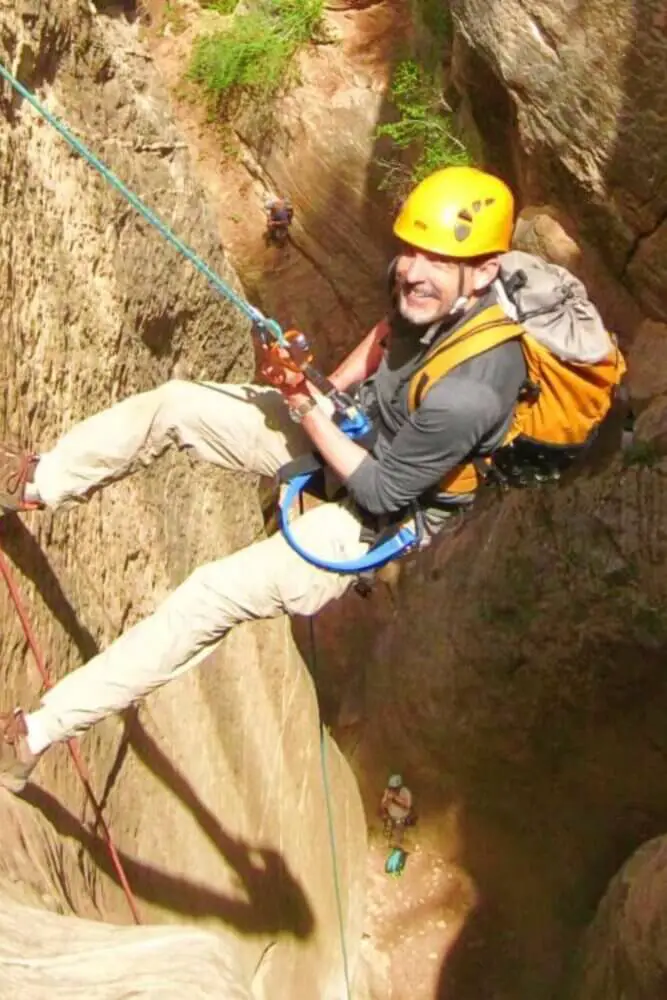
(487, 366)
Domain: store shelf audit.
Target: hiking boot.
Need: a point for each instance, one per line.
(17, 761)
(16, 469)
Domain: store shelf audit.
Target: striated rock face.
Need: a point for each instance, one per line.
(63, 958)
(45, 954)
(571, 100)
(623, 955)
(213, 788)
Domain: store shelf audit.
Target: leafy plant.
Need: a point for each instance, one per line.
(424, 129)
(256, 51)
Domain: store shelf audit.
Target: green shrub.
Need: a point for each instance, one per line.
(424, 129)
(256, 51)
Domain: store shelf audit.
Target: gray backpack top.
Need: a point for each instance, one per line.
(553, 306)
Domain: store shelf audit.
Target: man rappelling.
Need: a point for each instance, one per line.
(454, 387)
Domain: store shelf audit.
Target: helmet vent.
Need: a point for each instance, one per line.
(418, 224)
(461, 232)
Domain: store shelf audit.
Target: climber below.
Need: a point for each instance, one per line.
(396, 809)
(279, 215)
(440, 407)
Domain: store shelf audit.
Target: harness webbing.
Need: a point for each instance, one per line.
(252, 313)
(72, 744)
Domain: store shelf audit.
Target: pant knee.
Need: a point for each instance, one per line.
(211, 600)
(198, 591)
(172, 398)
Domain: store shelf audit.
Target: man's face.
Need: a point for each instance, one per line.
(428, 284)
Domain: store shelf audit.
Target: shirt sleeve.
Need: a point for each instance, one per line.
(454, 419)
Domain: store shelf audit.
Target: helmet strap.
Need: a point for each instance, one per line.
(461, 300)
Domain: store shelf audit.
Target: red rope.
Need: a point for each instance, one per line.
(71, 743)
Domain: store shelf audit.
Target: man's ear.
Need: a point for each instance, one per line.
(485, 273)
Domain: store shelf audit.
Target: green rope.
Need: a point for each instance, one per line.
(330, 822)
(327, 798)
(253, 314)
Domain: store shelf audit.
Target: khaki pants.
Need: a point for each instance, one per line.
(237, 427)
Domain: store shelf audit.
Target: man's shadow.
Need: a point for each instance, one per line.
(27, 555)
(275, 902)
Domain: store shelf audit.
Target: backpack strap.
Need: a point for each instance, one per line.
(486, 330)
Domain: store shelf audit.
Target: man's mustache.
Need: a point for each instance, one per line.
(424, 288)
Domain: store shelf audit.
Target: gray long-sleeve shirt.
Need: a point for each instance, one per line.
(465, 414)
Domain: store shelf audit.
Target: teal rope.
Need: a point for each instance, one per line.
(330, 823)
(253, 314)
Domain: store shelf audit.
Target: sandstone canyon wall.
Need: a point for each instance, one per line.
(515, 673)
(212, 789)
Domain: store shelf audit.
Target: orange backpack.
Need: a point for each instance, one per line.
(573, 369)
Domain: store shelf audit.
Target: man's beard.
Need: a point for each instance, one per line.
(422, 309)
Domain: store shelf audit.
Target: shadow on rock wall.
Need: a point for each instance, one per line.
(516, 677)
(274, 901)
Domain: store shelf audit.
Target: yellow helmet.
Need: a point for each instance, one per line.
(458, 212)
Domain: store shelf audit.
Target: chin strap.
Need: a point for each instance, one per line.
(461, 300)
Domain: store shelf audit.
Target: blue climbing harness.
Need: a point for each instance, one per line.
(397, 543)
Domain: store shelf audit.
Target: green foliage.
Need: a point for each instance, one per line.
(652, 621)
(424, 128)
(256, 51)
(220, 6)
